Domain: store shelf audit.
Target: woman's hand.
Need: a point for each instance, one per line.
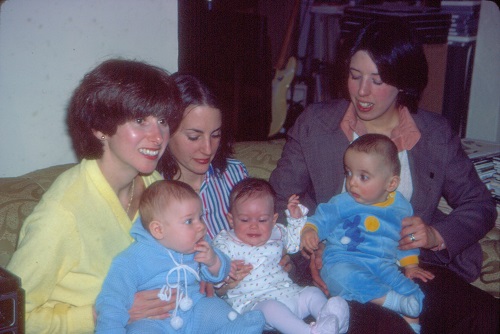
(148, 305)
(415, 233)
(414, 271)
(207, 289)
(315, 265)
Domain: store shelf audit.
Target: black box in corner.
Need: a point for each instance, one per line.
(11, 303)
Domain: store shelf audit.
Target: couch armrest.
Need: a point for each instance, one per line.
(18, 197)
(489, 279)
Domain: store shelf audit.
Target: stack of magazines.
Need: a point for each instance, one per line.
(486, 158)
(495, 182)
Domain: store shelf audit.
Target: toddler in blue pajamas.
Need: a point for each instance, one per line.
(361, 229)
(171, 253)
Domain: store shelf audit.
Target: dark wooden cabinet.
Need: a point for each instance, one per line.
(227, 46)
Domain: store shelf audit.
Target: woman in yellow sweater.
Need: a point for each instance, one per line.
(120, 118)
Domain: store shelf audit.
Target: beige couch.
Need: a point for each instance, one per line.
(19, 195)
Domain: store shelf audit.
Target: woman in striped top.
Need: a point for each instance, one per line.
(199, 153)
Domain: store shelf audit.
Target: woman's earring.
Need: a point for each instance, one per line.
(103, 137)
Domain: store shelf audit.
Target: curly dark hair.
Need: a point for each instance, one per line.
(114, 92)
(196, 93)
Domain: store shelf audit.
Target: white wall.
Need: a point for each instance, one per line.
(484, 104)
(46, 46)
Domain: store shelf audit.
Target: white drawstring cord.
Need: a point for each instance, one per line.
(183, 301)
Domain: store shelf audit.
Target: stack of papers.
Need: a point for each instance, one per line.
(486, 158)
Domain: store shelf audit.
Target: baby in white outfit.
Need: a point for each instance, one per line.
(257, 241)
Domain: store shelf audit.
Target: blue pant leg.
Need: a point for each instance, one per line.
(401, 284)
(353, 281)
(211, 315)
(251, 322)
(150, 326)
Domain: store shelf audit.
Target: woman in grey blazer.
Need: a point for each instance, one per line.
(386, 72)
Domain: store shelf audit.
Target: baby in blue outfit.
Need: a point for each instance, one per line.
(171, 253)
(361, 229)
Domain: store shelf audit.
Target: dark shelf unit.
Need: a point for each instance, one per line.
(228, 48)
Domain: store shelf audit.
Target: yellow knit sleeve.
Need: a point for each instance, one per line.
(311, 225)
(412, 259)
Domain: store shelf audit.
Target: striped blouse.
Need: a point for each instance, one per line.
(214, 193)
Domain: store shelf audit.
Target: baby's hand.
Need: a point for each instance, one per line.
(414, 271)
(239, 270)
(309, 241)
(293, 206)
(205, 254)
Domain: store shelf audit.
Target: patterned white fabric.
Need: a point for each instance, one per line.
(267, 280)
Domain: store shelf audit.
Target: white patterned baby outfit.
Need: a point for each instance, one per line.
(267, 280)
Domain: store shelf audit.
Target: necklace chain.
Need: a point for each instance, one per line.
(132, 188)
